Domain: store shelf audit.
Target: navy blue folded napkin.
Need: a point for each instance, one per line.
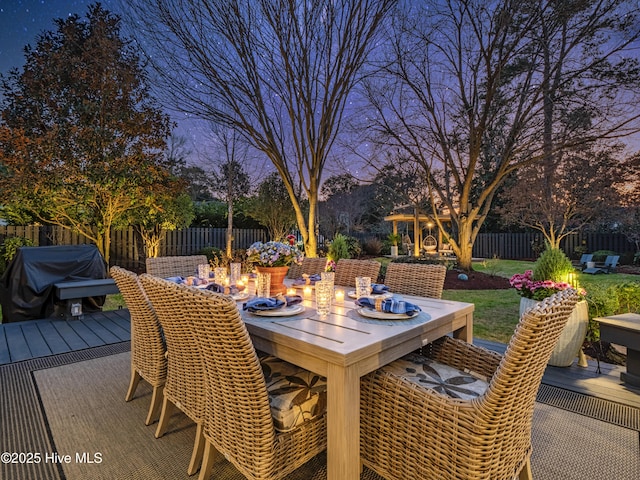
(270, 303)
(215, 287)
(176, 279)
(393, 304)
(379, 288)
(307, 279)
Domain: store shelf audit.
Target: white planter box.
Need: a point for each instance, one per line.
(569, 344)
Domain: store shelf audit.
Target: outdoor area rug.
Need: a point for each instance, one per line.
(81, 412)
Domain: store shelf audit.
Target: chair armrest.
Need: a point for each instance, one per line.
(463, 356)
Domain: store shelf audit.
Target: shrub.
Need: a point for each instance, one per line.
(9, 249)
(612, 300)
(338, 248)
(373, 246)
(601, 255)
(354, 247)
(552, 265)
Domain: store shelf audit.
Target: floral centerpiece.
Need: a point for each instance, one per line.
(331, 266)
(274, 258)
(274, 254)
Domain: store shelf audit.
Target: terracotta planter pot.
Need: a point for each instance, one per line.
(569, 344)
(278, 275)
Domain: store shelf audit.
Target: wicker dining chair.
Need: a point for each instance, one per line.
(148, 360)
(461, 412)
(348, 269)
(424, 280)
(241, 396)
(178, 266)
(309, 266)
(184, 387)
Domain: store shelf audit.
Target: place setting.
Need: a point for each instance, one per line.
(276, 306)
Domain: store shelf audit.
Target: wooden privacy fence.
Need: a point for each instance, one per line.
(127, 249)
(519, 246)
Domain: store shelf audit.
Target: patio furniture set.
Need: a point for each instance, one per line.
(405, 395)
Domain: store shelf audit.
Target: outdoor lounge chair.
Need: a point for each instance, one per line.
(609, 266)
(415, 279)
(148, 360)
(348, 269)
(461, 411)
(584, 259)
(265, 415)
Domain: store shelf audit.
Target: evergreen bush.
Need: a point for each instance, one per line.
(552, 265)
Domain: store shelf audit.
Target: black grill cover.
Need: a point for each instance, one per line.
(26, 287)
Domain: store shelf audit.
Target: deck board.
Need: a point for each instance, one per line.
(39, 338)
(53, 338)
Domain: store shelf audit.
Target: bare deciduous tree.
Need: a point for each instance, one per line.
(473, 91)
(277, 71)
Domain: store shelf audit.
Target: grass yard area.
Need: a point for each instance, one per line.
(497, 311)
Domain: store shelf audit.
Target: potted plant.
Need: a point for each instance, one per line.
(274, 258)
(394, 239)
(552, 273)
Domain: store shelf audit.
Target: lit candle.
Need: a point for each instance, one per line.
(291, 292)
(245, 279)
(339, 296)
(307, 291)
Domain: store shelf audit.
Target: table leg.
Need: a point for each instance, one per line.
(465, 333)
(632, 375)
(343, 423)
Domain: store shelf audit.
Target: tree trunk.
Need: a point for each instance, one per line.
(230, 230)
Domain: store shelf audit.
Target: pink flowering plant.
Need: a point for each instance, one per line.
(274, 254)
(527, 287)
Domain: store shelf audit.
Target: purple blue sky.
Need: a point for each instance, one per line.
(22, 20)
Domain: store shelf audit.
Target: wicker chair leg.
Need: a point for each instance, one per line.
(525, 473)
(210, 457)
(156, 402)
(198, 449)
(165, 415)
(133, 384)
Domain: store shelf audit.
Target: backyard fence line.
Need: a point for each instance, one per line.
(519, 246)
(127, 248)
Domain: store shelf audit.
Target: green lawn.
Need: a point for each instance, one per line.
(497, 311)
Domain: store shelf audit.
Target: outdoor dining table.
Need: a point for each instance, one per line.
(344, 346)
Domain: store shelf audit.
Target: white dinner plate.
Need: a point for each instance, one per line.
(280, 312)
(373, 313)
(240, 296)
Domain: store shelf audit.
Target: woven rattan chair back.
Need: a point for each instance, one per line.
(148, 359)
(415, 279)
(238, 421)
(486, 438)
(185, 384)
(181, 266)
(309, 266)
(348, 269)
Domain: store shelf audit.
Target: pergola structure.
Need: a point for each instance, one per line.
(418, 219)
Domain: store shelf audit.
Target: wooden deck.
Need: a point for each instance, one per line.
(40, 338)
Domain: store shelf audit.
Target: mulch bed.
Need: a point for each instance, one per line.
(475, 281)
